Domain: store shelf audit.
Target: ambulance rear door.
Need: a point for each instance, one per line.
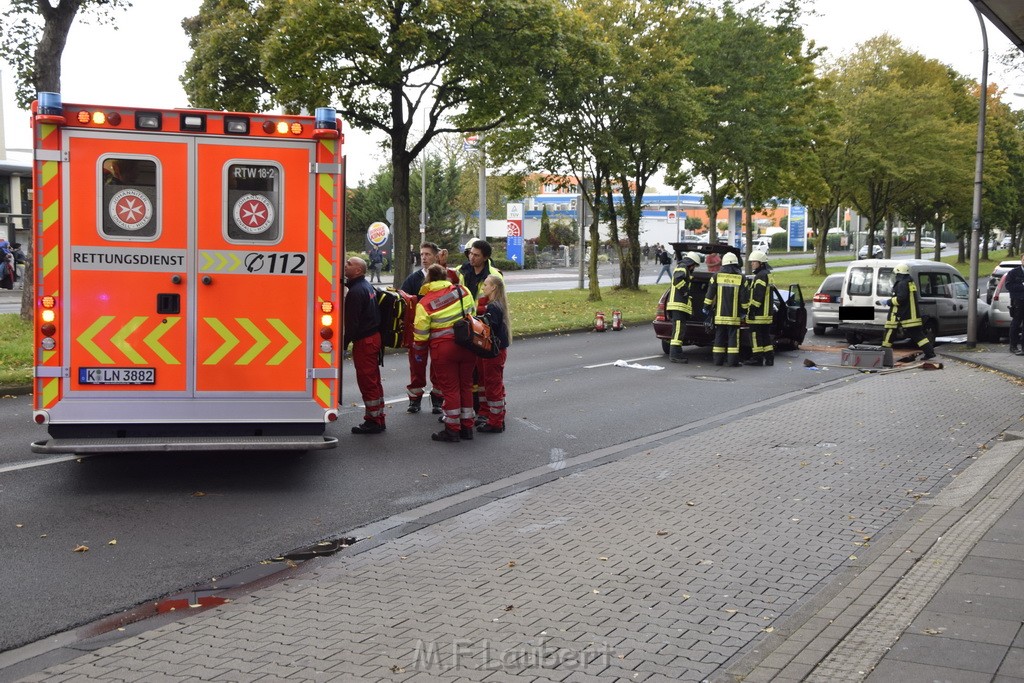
(254, 274)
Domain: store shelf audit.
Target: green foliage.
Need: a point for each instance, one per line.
(15, 350)
(544, 238)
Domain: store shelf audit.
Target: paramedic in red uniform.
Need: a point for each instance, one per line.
(441, 304)
(362, 329)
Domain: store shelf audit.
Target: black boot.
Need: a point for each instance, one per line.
(929, 352)
(368, 428)
(466, 433)
(756, 359)
(676, 355)
(446, 435)
(719, 358)
(435, 404)
(414, 405)
(769, 358)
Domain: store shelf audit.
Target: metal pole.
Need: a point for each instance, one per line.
(483, 190)
(423, 189)
(972, 297)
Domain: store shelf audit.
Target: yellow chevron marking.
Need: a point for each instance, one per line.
(221, 262)
(46, 130)
(49, 171)
(326, 225)
(152, 340)
(291, 342)
(324, 267)
(50, 214)
(327, 184)
(48, 356)
(326, 358)
(235, 262)
(51, 260)
(323, 393)
(85, 339)
(51, 387)
(120, 339)
(261, 341)
(230, 341)
(207, 260)
(329, 144)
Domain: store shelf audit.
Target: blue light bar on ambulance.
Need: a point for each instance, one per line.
(148, 120)
(50, 104)
(326, 117)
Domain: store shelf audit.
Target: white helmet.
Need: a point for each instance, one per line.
(901, 269)
(691, 256)
(729, 259)
(758, 256)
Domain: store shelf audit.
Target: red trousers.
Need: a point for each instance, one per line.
(454, 377)
(493, 377)
(366, 358)
(418, 375)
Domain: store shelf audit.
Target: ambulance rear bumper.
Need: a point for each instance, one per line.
(184, 443)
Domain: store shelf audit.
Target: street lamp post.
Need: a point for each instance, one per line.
(972, 299)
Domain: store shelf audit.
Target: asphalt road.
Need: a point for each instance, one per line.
(178, 520)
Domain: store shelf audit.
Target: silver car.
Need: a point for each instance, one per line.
(999, 312)
(825, 304)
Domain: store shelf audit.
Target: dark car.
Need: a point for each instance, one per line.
(789, 313)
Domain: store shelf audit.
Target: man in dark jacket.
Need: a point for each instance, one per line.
(362, 330)
(477, 268)
(1015, 286)
(680, 303)
(726, 300)
(759, 311)
(905, 312)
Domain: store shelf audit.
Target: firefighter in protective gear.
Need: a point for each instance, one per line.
(759, 311)
(726, 300)
(904, 312)
(362, 329)
(680, 303)
(441, 304)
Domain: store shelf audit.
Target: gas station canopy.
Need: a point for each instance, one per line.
(1007, 16)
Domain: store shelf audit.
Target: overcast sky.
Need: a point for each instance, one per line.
(139, 63)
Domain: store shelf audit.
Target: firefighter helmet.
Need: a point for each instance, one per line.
(693, 258)
(729, 259)
(758, 256)
(901, 269)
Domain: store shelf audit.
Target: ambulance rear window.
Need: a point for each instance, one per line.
(130, 206)
(253, 202)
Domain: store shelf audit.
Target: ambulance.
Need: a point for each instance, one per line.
(188, 268)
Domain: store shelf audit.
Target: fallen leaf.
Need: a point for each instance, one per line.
(853, 557)
(686, 596)
(112, 541)
(934, 631)
(81, 549)
(770, 629)
(397, 669)
(662, 532)
(198, 494)
(424, 474)
(511, 563)
(730, 611)
(509, 608)
(603, 559)
(690, 503)
(18, 526)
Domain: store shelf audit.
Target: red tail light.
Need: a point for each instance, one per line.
(660, 316)
(823, 298)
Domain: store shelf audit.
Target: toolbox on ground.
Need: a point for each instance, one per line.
(867, 356)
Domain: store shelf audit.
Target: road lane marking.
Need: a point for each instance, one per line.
(39, 463)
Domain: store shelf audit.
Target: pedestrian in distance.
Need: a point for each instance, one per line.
(665, 259)
(680, 303)
(759, 311)
(362, 330)
(905, 312)
(19, 263)
(1014, 284)
(376, 257)
(726, 302)
(418, 359)
(492, 370)
(441, 304)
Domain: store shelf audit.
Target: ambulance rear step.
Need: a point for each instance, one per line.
(179, 444)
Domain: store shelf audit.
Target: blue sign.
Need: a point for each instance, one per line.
(797, 225)
(514, 249)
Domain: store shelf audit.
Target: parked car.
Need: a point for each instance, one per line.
(1005, 243)
(825, 304)
(942, 291)
(997, 274)
(876, 251)
(789, 311)
(999, 313)
(928, 244)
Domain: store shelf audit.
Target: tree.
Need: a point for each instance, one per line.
(544, 238)
(412, 70)
(32, 40)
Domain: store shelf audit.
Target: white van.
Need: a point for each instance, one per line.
(943, 292)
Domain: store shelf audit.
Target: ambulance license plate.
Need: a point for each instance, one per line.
(116, 375)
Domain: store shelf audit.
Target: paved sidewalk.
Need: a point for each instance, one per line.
(795, 541)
